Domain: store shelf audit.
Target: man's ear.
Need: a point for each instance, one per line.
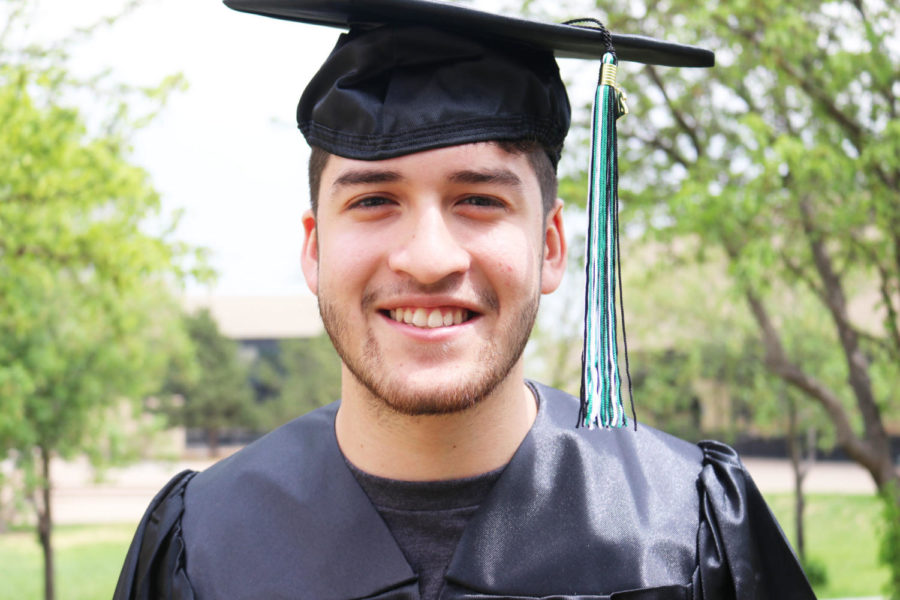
(555, 250)
(309, 255)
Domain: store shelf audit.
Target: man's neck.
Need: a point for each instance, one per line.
(385, 443)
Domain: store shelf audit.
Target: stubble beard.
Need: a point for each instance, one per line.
(494, 363)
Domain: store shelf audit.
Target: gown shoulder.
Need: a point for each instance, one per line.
(155, 564)
(742, 551)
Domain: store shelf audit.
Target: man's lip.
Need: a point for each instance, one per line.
(429, 302)
(430, 333)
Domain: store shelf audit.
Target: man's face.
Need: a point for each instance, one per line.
(428, 269)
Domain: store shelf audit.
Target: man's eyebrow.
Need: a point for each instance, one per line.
(498, 176)
(366, 176)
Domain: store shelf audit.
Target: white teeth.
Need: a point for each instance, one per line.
(435, 319)
(429, 319)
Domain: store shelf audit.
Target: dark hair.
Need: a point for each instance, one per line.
(537, 156)
(539, 159)
(318, 158)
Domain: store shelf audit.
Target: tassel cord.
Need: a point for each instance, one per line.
(601, 382)
(592, 374)
(621, 298)
(613, 394)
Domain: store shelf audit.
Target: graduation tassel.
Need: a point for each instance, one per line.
(601, 398)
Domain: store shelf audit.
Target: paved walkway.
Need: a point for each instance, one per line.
(125, 493)
(121, 497)
(773, 475)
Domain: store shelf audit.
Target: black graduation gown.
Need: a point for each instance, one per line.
(577, 514)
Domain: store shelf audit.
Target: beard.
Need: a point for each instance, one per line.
(365, 359)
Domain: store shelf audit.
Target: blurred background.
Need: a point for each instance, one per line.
(153, 316)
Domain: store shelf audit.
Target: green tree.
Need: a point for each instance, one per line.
(214, 384)
(297, 377)
(780, 163)
(86, 323)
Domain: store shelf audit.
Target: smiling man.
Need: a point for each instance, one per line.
(428, 268)
(442, 472)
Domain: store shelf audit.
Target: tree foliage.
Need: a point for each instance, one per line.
(298, 376)
(74, 269)
(213, 383)
(86, 319)
(780, 164)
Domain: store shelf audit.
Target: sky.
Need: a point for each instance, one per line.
(227, 151)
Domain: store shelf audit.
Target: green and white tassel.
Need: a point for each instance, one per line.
(601, 398)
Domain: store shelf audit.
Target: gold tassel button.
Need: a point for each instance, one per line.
(608, 77)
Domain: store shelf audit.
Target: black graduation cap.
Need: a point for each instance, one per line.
(564, 41)
(383, 92)
(412, 75)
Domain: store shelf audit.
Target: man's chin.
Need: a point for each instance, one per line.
(423, 395)
(430, 399)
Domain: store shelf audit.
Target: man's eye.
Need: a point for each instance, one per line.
(371, 202)
(485, 201)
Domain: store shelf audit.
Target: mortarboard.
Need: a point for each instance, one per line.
(412, 75)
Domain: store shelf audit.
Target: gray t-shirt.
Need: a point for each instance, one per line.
(427, 518)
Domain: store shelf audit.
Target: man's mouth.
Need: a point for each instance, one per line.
(430, 318)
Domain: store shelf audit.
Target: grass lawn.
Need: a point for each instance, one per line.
(841, 533)
(88, 559)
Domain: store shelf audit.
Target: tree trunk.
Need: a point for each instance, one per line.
(811, 445)
(799, 507)
(872, 451)
(45, 523)
(212, 442)
(795, 451)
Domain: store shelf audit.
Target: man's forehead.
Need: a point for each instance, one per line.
(474, 163)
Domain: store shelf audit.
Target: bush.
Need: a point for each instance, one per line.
(816, 571)
(890, 540)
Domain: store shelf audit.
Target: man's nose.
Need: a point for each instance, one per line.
(429, 251)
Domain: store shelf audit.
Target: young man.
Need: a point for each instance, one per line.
(442, 472)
